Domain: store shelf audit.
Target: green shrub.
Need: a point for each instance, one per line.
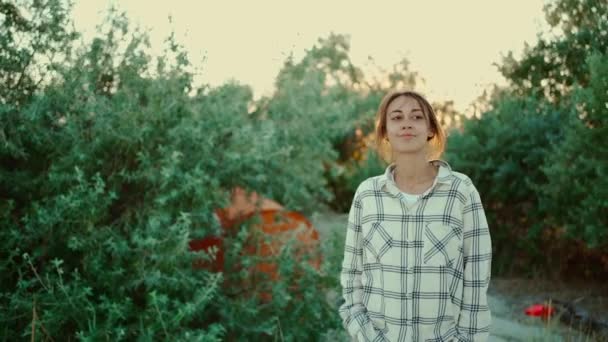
(503, 153)
(577, 167)
(109, 168)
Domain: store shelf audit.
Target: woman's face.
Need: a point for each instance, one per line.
(407, 127)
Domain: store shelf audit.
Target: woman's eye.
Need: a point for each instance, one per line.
(396, 118)
(417, 117)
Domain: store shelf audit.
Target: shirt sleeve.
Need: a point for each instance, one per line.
(353, 312)
(475, 317)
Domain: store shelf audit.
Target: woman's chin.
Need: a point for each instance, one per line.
(409, 151)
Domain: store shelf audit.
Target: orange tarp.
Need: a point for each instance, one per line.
(276, 226)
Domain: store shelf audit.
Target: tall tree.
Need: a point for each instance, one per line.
(557, 62)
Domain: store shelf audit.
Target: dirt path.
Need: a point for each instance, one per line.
(509, 323)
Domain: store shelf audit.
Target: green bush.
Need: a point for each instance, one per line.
(538, 156)
(345, 178)
(577, 167)
(503, 152)
(110, 167)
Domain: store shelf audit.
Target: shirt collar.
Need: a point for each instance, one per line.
(387, 182)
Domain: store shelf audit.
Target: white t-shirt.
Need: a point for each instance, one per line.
(410, 198)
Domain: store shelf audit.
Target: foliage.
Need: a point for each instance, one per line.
(580, 162)
(347, 177)
(109, 168)
(557, 63)
(514, 139)
(538, 151)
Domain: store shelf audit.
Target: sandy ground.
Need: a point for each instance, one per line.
(507, 299)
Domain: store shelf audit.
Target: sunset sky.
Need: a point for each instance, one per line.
(452, 44)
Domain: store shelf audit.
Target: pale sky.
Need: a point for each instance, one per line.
(452, 44)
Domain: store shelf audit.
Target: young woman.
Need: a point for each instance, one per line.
(418, 250)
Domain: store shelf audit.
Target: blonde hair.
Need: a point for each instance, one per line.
(437, 142)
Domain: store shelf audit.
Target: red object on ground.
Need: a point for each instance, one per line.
(540, 310)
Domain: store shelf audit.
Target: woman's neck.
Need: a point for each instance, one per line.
(411, 171)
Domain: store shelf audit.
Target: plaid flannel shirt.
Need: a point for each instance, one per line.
(417, 271)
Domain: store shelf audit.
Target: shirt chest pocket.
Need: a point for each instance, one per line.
(442, 244)
(377, 241)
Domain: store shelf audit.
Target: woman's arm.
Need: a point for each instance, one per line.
(475, 318)
(353, 312)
